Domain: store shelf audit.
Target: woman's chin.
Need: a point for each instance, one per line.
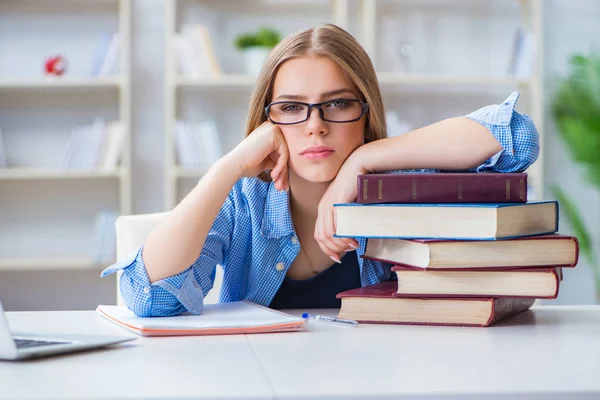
(317, 176)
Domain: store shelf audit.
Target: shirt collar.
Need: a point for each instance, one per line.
(277, 218)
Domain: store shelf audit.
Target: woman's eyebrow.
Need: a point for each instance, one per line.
(323, 95)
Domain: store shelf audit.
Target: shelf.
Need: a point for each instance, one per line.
(229, 80)
(448, 80)
(61, 83)
(187, 172)
(56, 173)
(50, 263)
(385, 79)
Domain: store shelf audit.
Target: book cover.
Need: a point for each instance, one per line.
(445, 187)
(539, 251)
(452, 221)
(539, 283)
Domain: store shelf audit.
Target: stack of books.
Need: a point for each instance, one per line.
(467, 248)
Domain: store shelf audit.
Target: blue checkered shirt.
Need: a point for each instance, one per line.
(253, 236)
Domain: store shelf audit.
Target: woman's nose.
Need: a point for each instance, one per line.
(315, 124)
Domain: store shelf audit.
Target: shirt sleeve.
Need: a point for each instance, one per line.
(516, 133)
(184, 291)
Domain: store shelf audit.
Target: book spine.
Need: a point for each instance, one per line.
(442, 188)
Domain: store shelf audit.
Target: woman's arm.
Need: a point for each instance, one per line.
(452, 144)
(494, 138)
(174, 245)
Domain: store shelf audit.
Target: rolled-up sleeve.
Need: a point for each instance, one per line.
(516, 133)
(184, 291)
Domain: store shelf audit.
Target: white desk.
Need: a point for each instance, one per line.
(549, 352)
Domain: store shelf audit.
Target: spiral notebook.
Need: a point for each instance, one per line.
(239, 317)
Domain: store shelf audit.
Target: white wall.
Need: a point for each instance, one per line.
(570, 25)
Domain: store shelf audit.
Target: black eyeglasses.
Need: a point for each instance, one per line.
(336, 110)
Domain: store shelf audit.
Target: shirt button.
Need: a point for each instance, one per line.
(294, 240)
(279, 267)
(146, 290)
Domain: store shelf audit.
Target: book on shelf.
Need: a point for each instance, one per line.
(106, 55)
(432, 254)
(98, 145)
(380, 303)
(197, 143)
(477, 221)
(3, 162)
(195, 53)
(442, 187)
(522, 59)
(104, 243)
(540, 283)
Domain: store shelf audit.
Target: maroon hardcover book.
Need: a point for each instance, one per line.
(496, 309)
(443, 187)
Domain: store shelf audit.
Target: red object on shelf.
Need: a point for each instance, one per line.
(56, 65)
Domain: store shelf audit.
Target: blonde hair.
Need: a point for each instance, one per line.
(330, 41)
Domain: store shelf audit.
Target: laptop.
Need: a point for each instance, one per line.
(23, 346)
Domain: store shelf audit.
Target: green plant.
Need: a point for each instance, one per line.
(576, 112)
(264, 37)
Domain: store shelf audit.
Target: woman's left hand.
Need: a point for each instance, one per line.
(341, 190)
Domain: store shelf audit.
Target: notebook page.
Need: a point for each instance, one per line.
(239, 314)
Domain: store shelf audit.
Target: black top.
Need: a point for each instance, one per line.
(320, 290)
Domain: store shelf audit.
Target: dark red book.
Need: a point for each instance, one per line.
(539, 283)
(379, 304)
(442, 187)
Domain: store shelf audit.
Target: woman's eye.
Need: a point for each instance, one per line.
(291, 107)
(338, 104)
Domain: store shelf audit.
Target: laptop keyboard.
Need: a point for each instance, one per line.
(27, 343)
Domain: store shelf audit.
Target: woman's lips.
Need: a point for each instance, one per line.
(316, 155)
(317, 152)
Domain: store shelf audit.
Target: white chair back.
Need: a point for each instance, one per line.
(131, 233)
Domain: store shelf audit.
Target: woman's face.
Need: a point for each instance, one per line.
(317, 148)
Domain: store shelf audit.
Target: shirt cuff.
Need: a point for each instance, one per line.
(169, 296)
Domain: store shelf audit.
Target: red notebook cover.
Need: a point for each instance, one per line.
(555, 272)
(554, 236)
(500, 307)
(443, 187)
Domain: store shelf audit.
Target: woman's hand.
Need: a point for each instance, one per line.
(264, 149)
(341, 190)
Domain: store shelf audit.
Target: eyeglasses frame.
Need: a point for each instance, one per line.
(363, 110)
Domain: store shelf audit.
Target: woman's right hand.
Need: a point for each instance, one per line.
(264, 149)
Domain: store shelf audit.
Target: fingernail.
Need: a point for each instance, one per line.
(350, 249)
(337, 260)
(353, 246)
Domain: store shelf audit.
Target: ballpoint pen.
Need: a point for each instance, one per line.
(335, 320)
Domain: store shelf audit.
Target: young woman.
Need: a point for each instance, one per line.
(265, 210)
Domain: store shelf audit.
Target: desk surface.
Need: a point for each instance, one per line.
(547, 352)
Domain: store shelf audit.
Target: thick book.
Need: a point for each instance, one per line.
(532, 251)
(443, 187)
(240, 317)
(535, 283)
(480, 221)
(379, 304)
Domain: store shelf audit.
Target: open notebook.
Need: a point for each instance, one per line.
(217, 319)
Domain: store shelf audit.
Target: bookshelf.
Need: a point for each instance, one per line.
(439, 83)
(48, 211)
